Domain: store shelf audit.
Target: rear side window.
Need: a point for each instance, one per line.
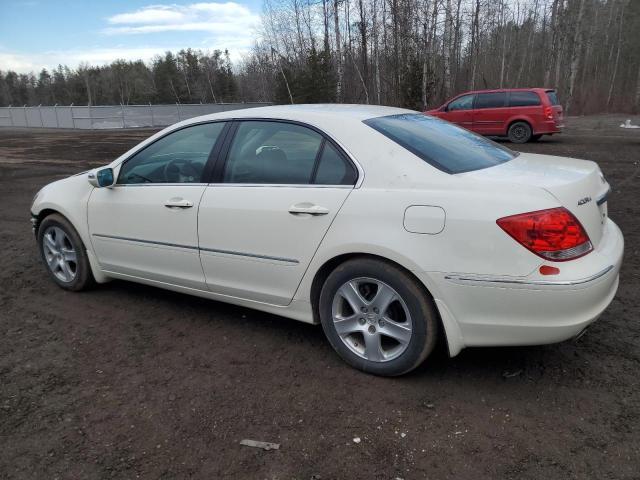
(280, 153)
(445, 146)
(272, 152)
(491, 100)
(553, 97)
(523, 99)
(333, 169)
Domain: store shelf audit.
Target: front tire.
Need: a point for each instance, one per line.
(519, 132)
(377, 317)
(63, 254)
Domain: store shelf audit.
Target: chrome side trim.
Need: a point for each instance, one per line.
(152, 184)
(280, 185)
(604, 197)
(518, 281)
(251, 255)
(150, 242)
(191, 247)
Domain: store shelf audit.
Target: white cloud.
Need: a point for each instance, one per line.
(223, 26)
(212, 17)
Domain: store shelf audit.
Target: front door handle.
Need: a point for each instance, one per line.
(178, 203)
(308, 208)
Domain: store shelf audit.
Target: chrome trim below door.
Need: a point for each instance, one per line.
(291, 261)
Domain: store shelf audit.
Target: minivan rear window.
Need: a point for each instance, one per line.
(447, 147)
(553, 97)
(523, 99)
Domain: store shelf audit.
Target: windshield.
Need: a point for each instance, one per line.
(447, 147)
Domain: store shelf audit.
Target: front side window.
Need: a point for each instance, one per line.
(179, 157)
(491, 100)
(267, 152)
(464, 102)
(523, 99)
(442, 144)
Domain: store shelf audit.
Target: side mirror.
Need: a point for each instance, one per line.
(101, 178)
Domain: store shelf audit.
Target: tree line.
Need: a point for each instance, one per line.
(410, 53)
(189, 76)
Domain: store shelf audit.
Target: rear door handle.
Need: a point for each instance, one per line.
(307, 208)
(178, 203)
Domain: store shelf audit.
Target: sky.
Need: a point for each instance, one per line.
(36, 34)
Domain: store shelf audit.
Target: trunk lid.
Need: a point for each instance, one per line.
(578, 185)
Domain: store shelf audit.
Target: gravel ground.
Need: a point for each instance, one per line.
(129, 381)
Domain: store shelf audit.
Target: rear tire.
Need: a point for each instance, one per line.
(64, 254)
(377, 317)
(519, 132)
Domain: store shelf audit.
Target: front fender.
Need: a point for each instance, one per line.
(70, 198)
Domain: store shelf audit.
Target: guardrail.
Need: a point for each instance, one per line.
(110, 116)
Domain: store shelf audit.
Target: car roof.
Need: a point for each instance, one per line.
(318, 114)
(495, 90)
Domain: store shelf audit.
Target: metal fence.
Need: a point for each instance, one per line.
(116, 116)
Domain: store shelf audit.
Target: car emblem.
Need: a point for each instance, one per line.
(584, 200)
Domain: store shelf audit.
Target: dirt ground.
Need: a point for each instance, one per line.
(129, 381)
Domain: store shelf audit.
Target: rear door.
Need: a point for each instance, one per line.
(275, 193)
(490, 113)
(459, 111)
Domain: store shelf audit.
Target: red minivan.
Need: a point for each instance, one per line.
(522, 114)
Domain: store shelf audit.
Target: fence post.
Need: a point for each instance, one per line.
(73, 119)
(178, 108)
(10, 116)
(151, 111)
(40, 111)
(55, 111)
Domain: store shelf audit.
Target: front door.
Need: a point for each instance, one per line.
(146, 226)
(263, 219)
(459, 111)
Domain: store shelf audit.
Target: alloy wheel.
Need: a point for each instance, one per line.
(60, 254)
(371, 319)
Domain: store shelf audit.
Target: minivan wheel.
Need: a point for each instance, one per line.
(377, 317)
(519, 132)
(63, 254)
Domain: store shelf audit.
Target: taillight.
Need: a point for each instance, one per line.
(548, 112)
(554, 234)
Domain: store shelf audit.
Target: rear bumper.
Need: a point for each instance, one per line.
(480, 310)
(548, 127)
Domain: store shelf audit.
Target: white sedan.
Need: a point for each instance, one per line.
(390, 228)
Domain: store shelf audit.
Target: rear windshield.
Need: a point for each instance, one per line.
(447, 147)
(553, 97)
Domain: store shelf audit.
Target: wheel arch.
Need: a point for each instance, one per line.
(44, 213)
(88, 248)
(526, 120)
(331, 264)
